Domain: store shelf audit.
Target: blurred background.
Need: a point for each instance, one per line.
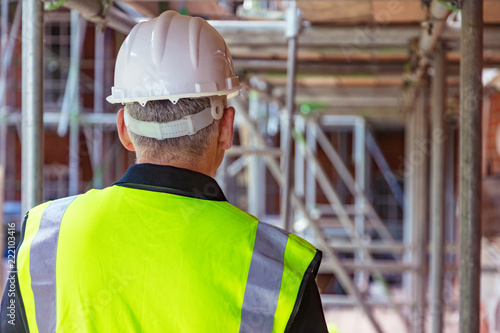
(348, 133)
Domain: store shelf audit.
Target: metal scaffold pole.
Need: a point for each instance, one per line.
(438, 137)
(409, 203)
(97, 149)
(310, 191)
(256, 168)
(450, 185)
(360, 162)
(292, 31)
(73, 104)
(32, 104)
(8, 43)
(471, 94)
(3, 78)
(421, 211)
(3, 115)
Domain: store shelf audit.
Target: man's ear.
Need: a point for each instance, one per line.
(226, 128)
(122, 131)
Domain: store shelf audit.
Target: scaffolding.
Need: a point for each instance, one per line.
(337, 227)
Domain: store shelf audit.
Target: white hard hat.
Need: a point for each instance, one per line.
(171, 57)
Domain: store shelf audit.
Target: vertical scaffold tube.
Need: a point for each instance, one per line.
(438, 137)
(471, 94)
(293, 22)
(32, 104)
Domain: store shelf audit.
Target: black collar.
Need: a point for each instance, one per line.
(169, 179)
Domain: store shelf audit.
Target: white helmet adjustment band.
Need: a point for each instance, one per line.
(188, 125)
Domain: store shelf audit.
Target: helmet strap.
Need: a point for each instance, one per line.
(187, 125)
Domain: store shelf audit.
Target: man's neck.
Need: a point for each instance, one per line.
(201, 165)
(207, 164)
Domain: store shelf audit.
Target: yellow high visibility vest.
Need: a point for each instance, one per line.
(132, 260)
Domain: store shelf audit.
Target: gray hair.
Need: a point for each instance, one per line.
(186, 148)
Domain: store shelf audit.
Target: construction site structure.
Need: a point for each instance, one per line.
(368, 127)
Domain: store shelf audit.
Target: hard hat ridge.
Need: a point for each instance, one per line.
(158, 41)
(195, 25)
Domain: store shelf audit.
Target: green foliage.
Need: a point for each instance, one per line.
(311, 107)
(449, 4)
(53, 4)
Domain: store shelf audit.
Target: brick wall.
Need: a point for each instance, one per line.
(491, 125)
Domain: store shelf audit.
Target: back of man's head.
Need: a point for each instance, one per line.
(184, 148)
(174, 74)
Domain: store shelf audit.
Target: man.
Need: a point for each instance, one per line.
(162, 250)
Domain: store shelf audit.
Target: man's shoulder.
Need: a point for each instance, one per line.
(235, 212)
(64, 201)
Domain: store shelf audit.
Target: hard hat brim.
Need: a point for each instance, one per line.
(230, 93)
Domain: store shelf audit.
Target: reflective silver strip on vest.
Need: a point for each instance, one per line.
(43, 264)
(264, 280)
